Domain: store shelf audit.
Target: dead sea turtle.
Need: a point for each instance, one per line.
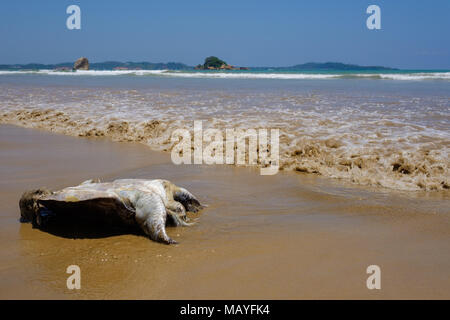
(148, 204)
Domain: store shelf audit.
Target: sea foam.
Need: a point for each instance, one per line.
(416, 76)
(393, 141)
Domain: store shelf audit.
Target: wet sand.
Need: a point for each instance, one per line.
(288, 236)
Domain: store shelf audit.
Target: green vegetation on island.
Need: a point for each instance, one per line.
(214, 63)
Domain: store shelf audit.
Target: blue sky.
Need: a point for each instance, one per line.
(414, 34)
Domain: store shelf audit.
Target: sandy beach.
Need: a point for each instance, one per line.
(287, 236)
(225, 160)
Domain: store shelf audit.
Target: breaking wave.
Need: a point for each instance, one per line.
(415, 76)
(394, 142)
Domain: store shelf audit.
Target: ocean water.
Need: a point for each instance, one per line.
(255, 74)
(387, 129)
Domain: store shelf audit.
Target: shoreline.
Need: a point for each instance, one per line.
(158, 135)
(288, 236)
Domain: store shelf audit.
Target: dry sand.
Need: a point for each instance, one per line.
(288, 236)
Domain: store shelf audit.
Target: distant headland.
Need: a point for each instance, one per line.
(210, 63)
(332, 66)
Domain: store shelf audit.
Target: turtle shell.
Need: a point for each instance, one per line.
(96, 202)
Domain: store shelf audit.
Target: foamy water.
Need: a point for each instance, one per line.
(400, 76)
(375, 133)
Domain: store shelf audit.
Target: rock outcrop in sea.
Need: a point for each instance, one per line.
(81, 64)
(214, 63)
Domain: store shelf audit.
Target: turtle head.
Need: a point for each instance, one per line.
(187, 199)
(29, 207)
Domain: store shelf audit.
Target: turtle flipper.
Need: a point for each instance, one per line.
(151, 216)
(177, 214)
(177, 220)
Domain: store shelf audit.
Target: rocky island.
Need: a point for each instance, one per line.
(214, 63)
